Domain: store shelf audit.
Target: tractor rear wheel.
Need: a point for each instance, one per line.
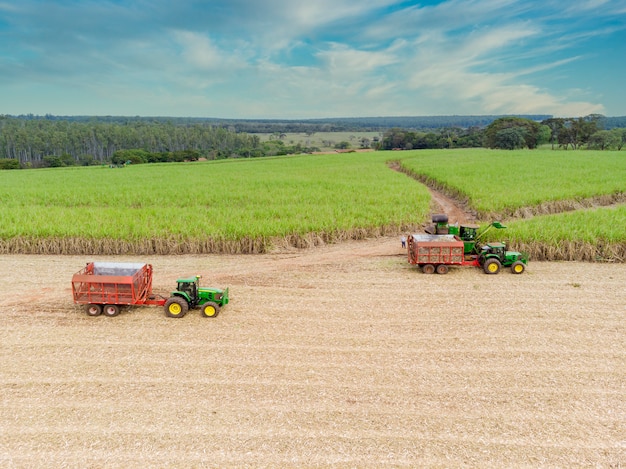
(210, 309)
(111, 310)
(442, 269)
(428, 269)
(492, 266)
(93, 310)
(176, 307)
(518, 267)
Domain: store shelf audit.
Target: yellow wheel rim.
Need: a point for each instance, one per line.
(175, 308)
(519, 269)
(493, 267)
(209, 311)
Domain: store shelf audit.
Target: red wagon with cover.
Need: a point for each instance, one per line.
(105, 286)
(435, 253)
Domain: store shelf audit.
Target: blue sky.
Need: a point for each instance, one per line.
(296, 59)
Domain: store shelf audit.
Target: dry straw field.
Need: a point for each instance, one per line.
(334, 356)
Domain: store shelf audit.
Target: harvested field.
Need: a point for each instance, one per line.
(334, 356)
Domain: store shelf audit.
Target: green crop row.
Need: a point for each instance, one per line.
(593, 234)
(494, 181)
(245, 205)
(591, 226)
(224, 200)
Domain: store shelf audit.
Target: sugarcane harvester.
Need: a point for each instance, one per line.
(446, 245)
(106, 287)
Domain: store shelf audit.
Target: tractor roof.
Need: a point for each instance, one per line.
(187, 279)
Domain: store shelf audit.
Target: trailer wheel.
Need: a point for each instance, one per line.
(176, 307)
(428, 269)
(111, 310)
(492, 266)
(518, 267)
(210, 309)
(93, 310)
(442, 269)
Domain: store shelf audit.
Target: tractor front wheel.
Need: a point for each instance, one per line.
(210, 309)
(518, 267)
(176, 307)
(93, 310)
(492, 266)
(428, 269)
(111, 310)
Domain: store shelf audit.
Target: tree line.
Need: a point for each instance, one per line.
(28, 141)
(513, 133)
(50, 142)
(268, 126)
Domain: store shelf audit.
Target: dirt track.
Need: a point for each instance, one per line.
(339, 356)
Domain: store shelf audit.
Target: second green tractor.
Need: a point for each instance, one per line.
(189, 295)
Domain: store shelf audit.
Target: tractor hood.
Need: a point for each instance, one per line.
(517, 255)
(218, 294)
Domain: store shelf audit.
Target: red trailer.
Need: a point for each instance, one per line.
(105, 286)
(434, 253)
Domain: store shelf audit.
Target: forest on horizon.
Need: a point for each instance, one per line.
(329, 124)
(31, 141)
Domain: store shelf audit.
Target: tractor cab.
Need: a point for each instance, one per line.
(497, 250)
(188, 289)
(468, 232)
(469, 235)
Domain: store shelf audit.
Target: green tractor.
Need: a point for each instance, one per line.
(189, 294)
(491, 256)
(494, 256)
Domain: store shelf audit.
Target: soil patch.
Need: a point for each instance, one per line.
(336, 356)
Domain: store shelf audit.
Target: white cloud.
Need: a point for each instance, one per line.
(313, 58)
(8, 7)
(342, 58)
(200, 52)
(447, 70)
(447, 16)
(484, 41)
(587, 5)
(320, 12)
